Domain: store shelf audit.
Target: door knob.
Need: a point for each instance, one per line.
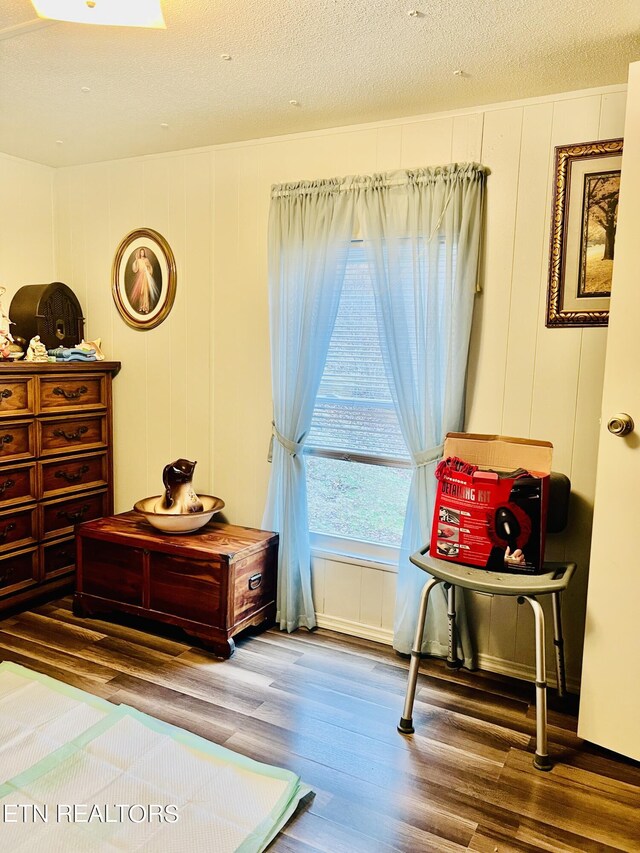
(621, 424)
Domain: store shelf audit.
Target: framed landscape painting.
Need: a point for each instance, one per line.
(583, 230)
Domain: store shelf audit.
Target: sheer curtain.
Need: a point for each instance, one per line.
(421, 233)
(310, 228)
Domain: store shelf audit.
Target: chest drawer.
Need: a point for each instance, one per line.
(17, 396)
(18, 527)
(60, 516)
(73, 474)
(17, 484)
(17, 440)
(57, 435)
(18, 569)
(188, 588)
(72, 394)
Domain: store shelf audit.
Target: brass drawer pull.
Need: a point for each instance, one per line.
(70, 395)
(71, 436)
(255, 581)
(6, 575)
(8, 484)
(5, 394)
(7, 529)
(77, 515)
(6, 439)
(72, 478)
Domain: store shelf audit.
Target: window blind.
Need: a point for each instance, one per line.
(354, 410)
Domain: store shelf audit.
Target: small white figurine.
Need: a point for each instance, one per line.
(36, 351)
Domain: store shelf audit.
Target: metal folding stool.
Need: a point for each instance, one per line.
(553, 581)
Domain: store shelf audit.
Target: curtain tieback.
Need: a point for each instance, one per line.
(292, 447)
(425, 457)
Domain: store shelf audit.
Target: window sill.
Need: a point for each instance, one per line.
(385, 558)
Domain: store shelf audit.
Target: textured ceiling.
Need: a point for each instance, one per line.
(343, 62)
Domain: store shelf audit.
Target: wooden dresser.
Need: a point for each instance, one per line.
(55, 469)
(213, 583)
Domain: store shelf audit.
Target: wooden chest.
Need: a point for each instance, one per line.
(213, 583)
(55, 470)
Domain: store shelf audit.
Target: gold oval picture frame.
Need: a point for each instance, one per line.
(144, 279)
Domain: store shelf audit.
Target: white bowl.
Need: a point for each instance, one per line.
(185, 522)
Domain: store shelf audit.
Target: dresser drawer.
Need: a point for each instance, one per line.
(18, 569)
(60, 516)
(17, 485)
(72, 394)
(56, 468)
(58, 558)
(57, 435)
(18, 528)
(17, 396)
(17, 440)
(73, 474)
(187, 588)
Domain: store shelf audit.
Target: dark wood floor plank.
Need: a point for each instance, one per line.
(96, 686)
(380, 826)
(326, 707)
(155, 668)
(565, 803)
(307, 713)
(335, 838)
(161, 638)
(37, 627)
(555, 840)
(46, 653)
(490, 841)
(167, 705)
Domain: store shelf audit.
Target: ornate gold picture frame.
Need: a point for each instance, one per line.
(144, 279)
(584, 218)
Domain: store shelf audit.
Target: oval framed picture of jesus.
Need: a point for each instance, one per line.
(144, 278)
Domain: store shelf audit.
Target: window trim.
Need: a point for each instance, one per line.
(355, 551)
(356, 456)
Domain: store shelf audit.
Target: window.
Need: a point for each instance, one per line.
(358, 468)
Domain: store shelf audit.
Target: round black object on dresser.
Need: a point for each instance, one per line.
(49, 310)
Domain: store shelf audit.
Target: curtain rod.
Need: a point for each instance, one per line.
(399, 177)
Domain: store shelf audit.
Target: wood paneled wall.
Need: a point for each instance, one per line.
(26, 224)
(163, 394)
(199, 385)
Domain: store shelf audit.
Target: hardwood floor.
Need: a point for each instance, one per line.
(326, 706)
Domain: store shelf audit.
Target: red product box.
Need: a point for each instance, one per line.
(491, 504)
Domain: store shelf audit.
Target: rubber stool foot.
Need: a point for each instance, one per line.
(542, 762)
(405, 727)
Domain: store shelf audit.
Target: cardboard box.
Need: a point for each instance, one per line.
(491, 503)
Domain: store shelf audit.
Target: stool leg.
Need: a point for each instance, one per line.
(541, 760)
(558, 642)
(453, 662)
(405, 726)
